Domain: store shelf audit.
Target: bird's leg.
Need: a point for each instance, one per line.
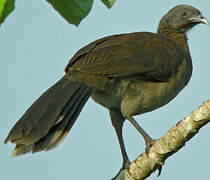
(117, 122)
(148, 140)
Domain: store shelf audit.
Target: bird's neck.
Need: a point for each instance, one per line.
(178, 37)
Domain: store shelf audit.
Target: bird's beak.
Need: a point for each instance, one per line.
(199, 19)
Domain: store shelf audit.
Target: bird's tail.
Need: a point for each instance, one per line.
(49, 119)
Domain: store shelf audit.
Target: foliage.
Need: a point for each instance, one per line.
(6, 7)
(72, 11)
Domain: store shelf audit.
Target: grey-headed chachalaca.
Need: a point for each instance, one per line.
(129, 74)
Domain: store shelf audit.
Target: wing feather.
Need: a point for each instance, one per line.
(143, 54)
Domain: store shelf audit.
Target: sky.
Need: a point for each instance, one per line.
(35, 45)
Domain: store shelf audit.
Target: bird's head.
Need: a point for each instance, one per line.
(181, 18)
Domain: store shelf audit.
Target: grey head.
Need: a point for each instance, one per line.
(181, 18)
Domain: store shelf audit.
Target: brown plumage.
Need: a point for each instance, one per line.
(129, 74)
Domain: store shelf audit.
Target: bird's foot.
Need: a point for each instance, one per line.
(121, 174)
(149, 143)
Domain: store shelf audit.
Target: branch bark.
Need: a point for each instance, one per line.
(170, 143)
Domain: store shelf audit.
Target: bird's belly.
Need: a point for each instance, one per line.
(145, 96)
(153, 95)
(133, 97)
(137, 97)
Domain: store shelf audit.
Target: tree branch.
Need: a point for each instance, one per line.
(170, 143)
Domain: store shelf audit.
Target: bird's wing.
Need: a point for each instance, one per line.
(143, 54)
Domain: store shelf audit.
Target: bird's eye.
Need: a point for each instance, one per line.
(184, 13)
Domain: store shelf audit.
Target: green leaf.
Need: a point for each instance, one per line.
(72, 10)
(108, 3)
(6, 7)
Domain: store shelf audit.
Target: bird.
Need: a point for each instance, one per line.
(129, 74)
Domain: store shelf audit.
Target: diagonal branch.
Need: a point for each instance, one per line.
(170, 143)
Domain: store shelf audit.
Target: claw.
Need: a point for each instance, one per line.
(121, 174)
(149, 143)
(159, 171)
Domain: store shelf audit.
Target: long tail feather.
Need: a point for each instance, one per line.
(49, 119)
